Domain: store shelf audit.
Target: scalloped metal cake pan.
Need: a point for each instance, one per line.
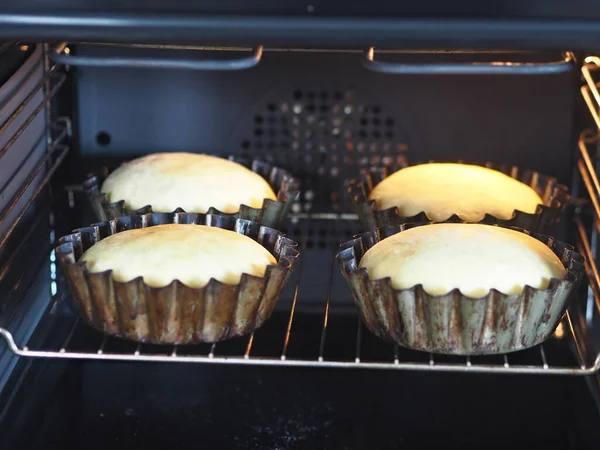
(454, 324)
(272, 214)
(554, 195)
(176, 313)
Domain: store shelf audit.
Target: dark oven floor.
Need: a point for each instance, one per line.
(99, 405)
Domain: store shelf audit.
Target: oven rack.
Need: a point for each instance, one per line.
(361, 349)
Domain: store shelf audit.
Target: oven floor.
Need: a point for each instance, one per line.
(99, 405)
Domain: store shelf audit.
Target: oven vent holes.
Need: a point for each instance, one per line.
(324, 137)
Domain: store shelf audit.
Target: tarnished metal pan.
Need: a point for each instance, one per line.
(176, 313)
(554, 195)
(272, 214)
(453, 323)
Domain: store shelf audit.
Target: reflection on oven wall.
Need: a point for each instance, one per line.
(323, 115)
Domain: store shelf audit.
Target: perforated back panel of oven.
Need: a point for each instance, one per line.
(324, 135)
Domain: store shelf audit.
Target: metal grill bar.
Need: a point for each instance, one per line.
(359, 329)
(328, 299)
(543, 354)
(249, 346)
(63, 347)
(165, 358)
(588, 175)
(592, 185)
(288, 332)
(103, 344)
(590, 90)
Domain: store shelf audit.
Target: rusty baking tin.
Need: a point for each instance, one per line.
(452, 323)
(176, 313)
(555, 197)
(272, 214)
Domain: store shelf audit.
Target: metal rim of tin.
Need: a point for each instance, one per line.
(176, 313)
(554, 195)
(272, 214)
(454, 324)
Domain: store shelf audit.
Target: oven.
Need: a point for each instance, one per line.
(326, 90)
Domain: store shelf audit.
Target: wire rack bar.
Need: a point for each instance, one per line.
(328, 296)
(300, 269)
(138, 356)
(589, 91)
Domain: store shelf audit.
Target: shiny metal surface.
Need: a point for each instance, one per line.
(453, 323)
(61, 55)
(468, 68)
(175, 313)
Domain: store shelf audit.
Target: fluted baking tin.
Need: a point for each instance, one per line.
(272, 214)
(554, 195)
(453, 323)
(176, 313)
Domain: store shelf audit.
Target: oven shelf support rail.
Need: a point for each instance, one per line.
(138, 356)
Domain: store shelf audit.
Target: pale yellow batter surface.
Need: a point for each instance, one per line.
(190, 181)
(471, 257)
(192, 254)
(443, 189)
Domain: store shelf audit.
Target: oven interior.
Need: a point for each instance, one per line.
(312, 377)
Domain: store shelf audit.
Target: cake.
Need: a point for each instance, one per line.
(473, 258)
(190, 181)
(192, 254)
(443, 189)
